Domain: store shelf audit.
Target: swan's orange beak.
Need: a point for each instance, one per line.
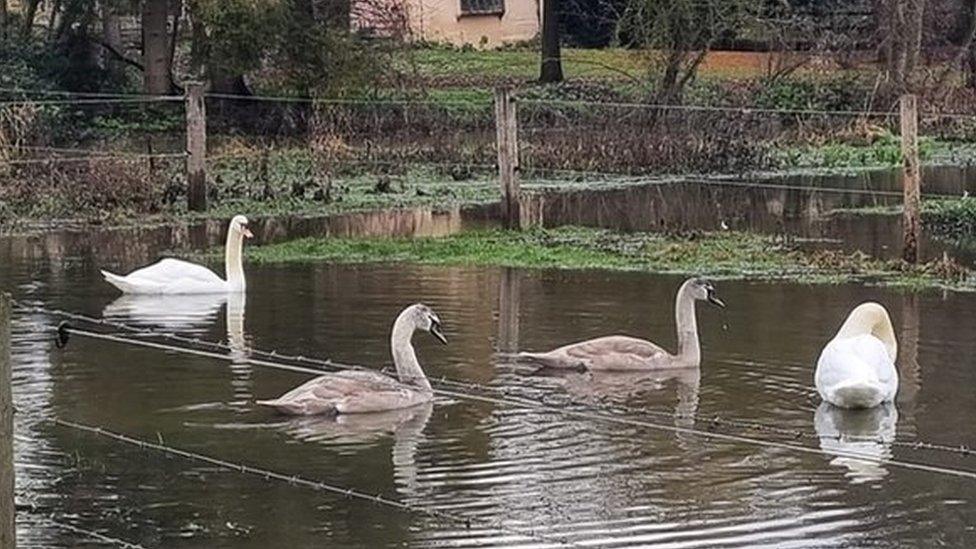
(247, 232)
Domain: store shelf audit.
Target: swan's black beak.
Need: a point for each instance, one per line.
(714, 300)
(435, 330)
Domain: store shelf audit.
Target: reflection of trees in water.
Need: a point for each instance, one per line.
(867, 432)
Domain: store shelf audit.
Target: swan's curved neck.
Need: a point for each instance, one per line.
(233, 262)
(689, 350)
(404, 357)
(871, 319)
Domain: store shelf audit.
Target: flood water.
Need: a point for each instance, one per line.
(506, 468)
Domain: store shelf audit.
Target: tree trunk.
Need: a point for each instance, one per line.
(552, 65)
(55, 12)
(3, 19)
(336, 14)
(971, 77)
(29, 15)
(155, 47)
(199, 51)
(111, 37)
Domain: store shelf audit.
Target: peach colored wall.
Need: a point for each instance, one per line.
(441, 21)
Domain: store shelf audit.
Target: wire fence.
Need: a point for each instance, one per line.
(444, 386)
(97, 152)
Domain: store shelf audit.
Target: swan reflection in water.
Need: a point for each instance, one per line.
(406, 425)
(868, 432)
(637, 389)
(193, 314)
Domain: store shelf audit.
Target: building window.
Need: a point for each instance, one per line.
(482, 7)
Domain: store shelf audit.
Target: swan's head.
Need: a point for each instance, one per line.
(703, 290)
(238, 227)
(871, 318)
(424, 318)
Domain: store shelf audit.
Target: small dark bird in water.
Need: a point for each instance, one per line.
(383, 185)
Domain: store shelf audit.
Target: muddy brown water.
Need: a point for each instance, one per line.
(503, 467)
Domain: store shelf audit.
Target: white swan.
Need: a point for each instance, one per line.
(857, 368)
(174, 276)
(359, 391)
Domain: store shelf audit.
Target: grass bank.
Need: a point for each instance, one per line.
(950, 219)
(718, 255)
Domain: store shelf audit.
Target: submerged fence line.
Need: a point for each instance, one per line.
(328, 363)
(267, 474)
(92, 534)
(606, 414)
(601, 416)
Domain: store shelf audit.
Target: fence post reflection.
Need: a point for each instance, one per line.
(909, 374)
(508, 309)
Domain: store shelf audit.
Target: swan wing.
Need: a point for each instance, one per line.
(168, 276)
(169, 269)
(348, 392)
(613, 353)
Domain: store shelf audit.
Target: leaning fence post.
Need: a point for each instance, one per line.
(911, 178)
(196, 147)
(8, 532)
(506, 131)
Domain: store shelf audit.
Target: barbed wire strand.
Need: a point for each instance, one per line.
(522, 402)
(318, 485)
(96, 97)
(91, 158)
(87, 101)
(342, 101)
(705, 108)
(595, 416)
(277, 357)
(92, 534)
(109, 95)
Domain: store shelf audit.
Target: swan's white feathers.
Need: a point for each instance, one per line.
(168, 276)
(856, 369)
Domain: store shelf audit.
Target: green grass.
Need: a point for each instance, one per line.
(884, 152)
(951, 219)
(718, 255)
(609, 63)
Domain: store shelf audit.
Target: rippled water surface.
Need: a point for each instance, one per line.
(520, 474)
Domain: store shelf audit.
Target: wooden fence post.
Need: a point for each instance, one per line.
(911, 178)
(8, 529)
(196, 147)
(506, 130)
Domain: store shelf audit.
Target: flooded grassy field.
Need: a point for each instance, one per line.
(527, 475)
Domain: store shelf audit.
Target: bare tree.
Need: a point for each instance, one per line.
(900, 27)
(3, 19)
(678, 34)
(155, 47)
(552, 66)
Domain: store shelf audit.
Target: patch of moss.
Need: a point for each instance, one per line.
(718, 255)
